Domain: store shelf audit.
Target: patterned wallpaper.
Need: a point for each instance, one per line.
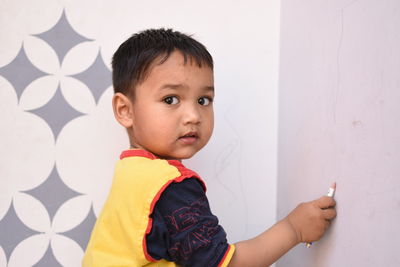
(38, 215)
(59, 140)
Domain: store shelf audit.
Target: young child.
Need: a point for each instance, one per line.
(157, 213)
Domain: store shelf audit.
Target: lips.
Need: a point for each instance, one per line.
(190, 134)
(189, 138)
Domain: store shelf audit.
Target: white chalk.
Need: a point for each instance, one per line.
(332, 190)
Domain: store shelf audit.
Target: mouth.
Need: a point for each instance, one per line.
(190, 134)
(189, 138)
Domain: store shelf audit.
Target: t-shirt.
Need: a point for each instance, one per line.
(184, 229)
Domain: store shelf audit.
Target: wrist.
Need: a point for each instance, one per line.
(294, 234)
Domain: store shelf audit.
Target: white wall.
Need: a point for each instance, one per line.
(58, 139)
(339, 121)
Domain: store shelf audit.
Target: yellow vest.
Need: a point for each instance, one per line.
(119, 235)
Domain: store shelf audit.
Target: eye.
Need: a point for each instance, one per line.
(204, 101)
(171, 100)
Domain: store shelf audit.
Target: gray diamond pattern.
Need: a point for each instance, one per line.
(48, 259)
(97, 77)
(81, 233)
(52, 193)
(21, 72)
(57, 112)
(62, 37)
(10, 223)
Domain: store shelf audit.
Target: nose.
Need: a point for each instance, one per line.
(191, 115)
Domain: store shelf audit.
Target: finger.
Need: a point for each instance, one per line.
(327, 224)
(325, 202)
(329, 214)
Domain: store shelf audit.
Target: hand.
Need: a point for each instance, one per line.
(310, 220)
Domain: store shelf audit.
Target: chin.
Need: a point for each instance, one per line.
(175, 156)
(184, 155)
(178, 154)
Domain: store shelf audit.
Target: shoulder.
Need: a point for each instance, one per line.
(181, 193)
(192, 184)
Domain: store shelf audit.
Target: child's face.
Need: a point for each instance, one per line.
(173, 113)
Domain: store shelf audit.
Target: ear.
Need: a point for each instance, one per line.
(123, 110)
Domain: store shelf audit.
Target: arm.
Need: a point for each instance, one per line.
(306, 223)
(266, 248)
(184, 230)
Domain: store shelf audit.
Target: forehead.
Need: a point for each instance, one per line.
(176, 69)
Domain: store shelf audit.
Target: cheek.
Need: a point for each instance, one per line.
(158, 126)
(212, 118)
(210, 123)
(143, 127)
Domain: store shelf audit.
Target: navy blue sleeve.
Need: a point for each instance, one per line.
(184, 230)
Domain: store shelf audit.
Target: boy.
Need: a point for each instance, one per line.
(157, 213)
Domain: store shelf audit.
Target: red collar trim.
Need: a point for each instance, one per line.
(137, 153)
(145, 154)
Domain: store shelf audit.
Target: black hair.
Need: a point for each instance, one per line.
(131, 61)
